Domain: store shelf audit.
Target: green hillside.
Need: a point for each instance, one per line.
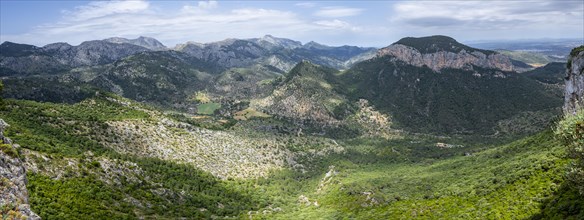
(454, 101)
(76, 176)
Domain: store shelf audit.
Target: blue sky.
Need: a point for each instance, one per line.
(362, 23)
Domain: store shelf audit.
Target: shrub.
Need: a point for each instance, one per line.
(8, 149)
(571, 132)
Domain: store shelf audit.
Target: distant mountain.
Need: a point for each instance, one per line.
(23, 59)
(59, 57)
(228, 53)
(536, 52)
(438, 52)
(164, 78)
(428, 84)
(270, 42)
(441, 90)
(146, 42)
(438, 43)
(90, 53)
(280, 53)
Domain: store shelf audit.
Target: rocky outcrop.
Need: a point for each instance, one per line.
(146, 42)
(271, 42)
(447, 59)
(13, 193)
(574, 92)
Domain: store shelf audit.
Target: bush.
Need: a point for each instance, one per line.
(571, 132)
(8, 149)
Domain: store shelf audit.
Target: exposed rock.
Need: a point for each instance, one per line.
(13, 192)
(447, 59)
(327, 179)
(146, 42)
(271, 42)
(574, 92)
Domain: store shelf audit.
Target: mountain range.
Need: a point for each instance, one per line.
(270, 128)
(430, 84)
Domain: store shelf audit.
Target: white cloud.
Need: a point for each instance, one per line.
(306, 4)
(492, 15)
(480, 20)
(202, 6)
(99, 20)
(105, 8)
(337, 12)
(207, 4)
(336, 24)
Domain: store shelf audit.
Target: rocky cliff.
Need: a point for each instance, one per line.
(446, 59)
(438, 52)
(13, 193)
(574, 92)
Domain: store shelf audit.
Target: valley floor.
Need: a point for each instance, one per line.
(80, 166)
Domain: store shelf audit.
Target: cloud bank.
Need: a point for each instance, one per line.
(374, 23)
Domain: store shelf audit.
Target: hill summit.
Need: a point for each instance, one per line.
(439, 52)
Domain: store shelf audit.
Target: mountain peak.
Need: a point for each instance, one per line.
(14, 49)
(436, 43)
(439, 52)
(271, 41)
(142, 41)
(315, 45)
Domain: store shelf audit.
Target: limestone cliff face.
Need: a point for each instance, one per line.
(447, 59)
(13, 193)
(574, 92)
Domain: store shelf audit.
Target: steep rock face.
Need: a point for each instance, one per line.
(574, 92)
(13, 192)
(447, 59)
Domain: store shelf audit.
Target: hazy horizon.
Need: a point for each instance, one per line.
(335, 23)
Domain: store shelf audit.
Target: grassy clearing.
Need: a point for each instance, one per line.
(208, 108)
(249, 113)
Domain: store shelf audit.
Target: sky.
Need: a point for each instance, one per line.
(361, 23)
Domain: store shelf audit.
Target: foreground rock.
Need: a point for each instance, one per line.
(13, 193)
(574, 93)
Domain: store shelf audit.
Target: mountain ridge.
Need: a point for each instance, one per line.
(438, 52)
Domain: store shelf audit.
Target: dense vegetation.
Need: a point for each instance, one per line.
(324, 142)
(552, 73)
(374, 178)
(571, 132)
(455, 101)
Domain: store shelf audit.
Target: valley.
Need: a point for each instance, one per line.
(270, 128)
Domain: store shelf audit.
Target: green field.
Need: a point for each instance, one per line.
(208, 108)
